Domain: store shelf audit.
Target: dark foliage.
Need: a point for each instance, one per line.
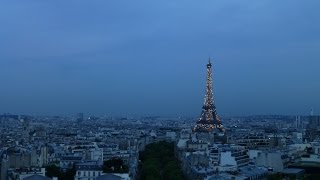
(159, 163)
(54, 171)
(115, 166)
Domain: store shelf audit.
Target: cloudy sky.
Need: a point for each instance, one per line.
(148, 57)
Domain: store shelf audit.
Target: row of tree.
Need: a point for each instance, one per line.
(159, 163)
(115, 165)
(55, 171)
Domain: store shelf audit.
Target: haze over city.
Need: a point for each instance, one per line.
(148, 58)
(159, 90)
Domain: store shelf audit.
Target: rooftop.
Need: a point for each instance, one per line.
(293, 171)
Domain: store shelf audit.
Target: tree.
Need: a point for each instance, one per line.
(115, 165)
(52, 171)
(69, 174)
(277, 176)
(55, 171)
(158, 162)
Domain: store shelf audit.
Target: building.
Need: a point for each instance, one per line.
(25, 127)
(293, 173)
(196, 166)
(4, 166)
(19, 157)
(198, 145)
(114, 176)
(254, 141)
(67, 162)
(313, 128)
(80, 117)
(229, 155)
(23, 173)
(277, 160)
(88, 170)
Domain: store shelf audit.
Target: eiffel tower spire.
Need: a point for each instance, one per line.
(209, 119)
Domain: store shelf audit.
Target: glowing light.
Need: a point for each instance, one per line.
(209, 118)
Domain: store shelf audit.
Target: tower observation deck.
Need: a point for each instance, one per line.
(209, 119)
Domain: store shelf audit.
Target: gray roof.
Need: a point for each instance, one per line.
(217, 177)
(250, 171)
(36, 177)
(108, 177)
(292, 171)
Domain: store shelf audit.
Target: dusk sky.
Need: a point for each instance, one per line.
(104, 57)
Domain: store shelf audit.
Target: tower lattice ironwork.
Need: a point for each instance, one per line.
(209, 119)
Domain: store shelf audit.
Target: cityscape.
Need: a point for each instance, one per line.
(92, 114)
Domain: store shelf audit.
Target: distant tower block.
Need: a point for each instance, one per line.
(25, 127)
(209, 119)
(4, 166)
(80, 117)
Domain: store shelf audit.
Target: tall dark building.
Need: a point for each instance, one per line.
(25, 127)
(313, 128)
(209, 119)
(80, 117)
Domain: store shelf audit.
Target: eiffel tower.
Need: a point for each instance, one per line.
(209, 119)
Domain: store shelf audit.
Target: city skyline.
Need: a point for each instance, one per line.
(147, 58)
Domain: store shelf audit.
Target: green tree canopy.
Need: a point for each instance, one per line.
(159, 163)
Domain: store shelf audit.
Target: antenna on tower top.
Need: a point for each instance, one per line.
(209, 63)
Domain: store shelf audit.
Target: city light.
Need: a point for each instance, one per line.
(209, 118)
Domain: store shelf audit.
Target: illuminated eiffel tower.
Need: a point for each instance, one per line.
(209, 119)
